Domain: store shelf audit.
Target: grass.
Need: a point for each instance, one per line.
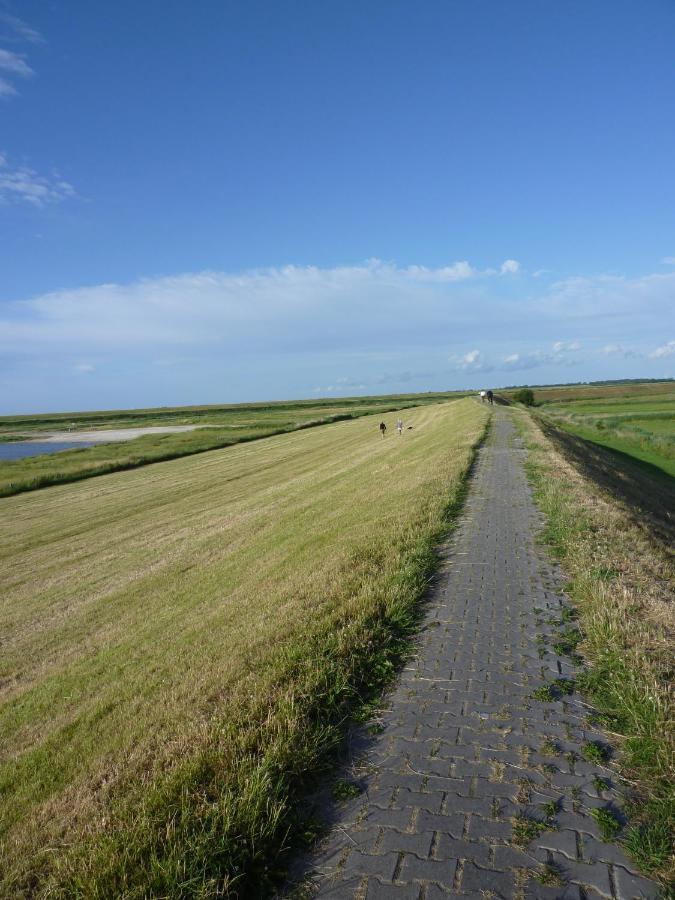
(609, 825)
(594, 752)
(550, 875)
(640, 425)
(345, 790)
(624, 624)
(219, 427)
(526, 829)
(183, 644)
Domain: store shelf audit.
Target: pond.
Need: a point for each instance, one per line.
(20, 449)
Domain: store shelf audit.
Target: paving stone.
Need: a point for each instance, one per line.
(462, 733)
(501, 884)
(402, 842)
(383, 865)
(448, 847)
(439, 871)
(594, 876)
(633, 887)
(378, 890)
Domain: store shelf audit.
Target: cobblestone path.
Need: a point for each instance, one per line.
(473, 788)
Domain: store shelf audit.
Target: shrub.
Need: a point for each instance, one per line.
(524, 396)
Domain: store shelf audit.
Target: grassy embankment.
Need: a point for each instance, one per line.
(608, 522)
(639, 425)
(227, 425)
(182, 644)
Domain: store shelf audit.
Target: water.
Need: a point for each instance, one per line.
(21, 449)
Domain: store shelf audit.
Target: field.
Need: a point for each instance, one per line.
(638, 423)
(181, 644)
(220, 426)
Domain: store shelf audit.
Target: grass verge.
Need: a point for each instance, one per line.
(184, 646)
(619, 579)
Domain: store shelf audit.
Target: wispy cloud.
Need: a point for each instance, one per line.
(13, 65)
(668, 260)
(663, 351)
(510, 267)
(13, 29)
(289, 329)
(24, 185)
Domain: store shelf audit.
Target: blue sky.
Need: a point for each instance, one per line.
(225, 201)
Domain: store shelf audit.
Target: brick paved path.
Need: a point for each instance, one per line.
(464, 748)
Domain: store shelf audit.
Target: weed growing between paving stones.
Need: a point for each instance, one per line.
(550, 808)
(600, 784)
(619, 570)
(345, 790)
(526, 829)
(550, 875)
(548, 747)
(608, 823)
(595, 752)
(544, 693)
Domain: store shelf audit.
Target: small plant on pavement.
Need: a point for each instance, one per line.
(595, 752)
(526, 829)
(608, 823)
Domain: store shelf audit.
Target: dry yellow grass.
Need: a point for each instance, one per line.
(621, 577)
(203, 613)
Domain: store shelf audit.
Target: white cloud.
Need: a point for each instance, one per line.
(620, 350)
(456, 272)
(469, 362)
(566, 347)
(23, 184)
(668, 260)
(512, 359)
(83, 368)
(6, 89)
(510, 267)
(664, 350)
(15, 29)
(14, 63)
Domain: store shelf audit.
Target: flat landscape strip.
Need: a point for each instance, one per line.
(621, 578)
(181, 644)
(232, 427)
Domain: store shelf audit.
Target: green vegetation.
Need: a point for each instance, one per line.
(544, 693)
(524, 396)
(609, 825)
(346, 790)
(550, 876)
(639, 425)
(526, 829)
(595, 752)
(619, 565)
(550, 808)
(182, 646)
(219, 426)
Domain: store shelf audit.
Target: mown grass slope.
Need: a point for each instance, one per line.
(182, 642)
(220, 426)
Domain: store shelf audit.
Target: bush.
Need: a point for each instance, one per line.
(524, 396)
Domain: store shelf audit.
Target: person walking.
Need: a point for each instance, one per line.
(490, 397)
(399, 426)
(383, 428)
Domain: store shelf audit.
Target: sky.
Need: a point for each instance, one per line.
(240, 200)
